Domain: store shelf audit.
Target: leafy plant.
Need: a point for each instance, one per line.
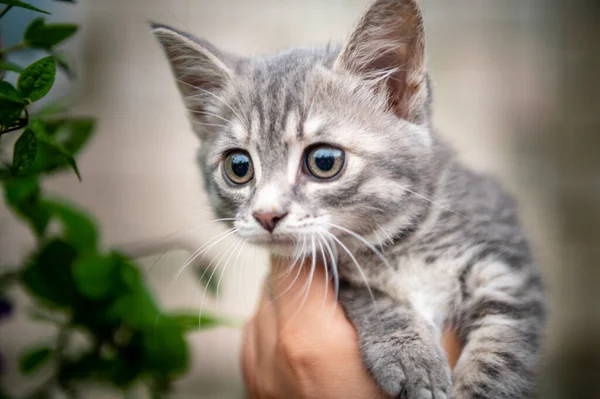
(73, 282)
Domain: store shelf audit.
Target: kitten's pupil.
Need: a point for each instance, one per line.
(240, 165)
(324, 159)
(324, 162)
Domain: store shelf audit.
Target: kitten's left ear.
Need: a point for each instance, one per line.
(201, 70)
(388, 46)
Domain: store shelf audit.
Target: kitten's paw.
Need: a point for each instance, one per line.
(411, 369)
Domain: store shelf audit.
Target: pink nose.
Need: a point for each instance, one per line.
(268, 220)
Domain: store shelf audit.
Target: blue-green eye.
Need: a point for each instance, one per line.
(238, 167)
(324, 161)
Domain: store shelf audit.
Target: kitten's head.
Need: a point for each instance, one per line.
(311, 143)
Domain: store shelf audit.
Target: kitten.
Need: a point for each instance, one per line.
(330, 151)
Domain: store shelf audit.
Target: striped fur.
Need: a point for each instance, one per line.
(439, 244)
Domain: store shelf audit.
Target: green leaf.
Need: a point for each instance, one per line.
(72, 134)
(24, 152)
(23, 196)
(165, 349)
(17, 191)
(10, 116)
(52, 108)
(10, 66)
(33, 359)
(63, 63)
(128, 365)
(79, 228)
(96, 276)
(10, 97)
(44, 136)
(137, 309)
(87, 366)
(194, 321)
(42, 35)
(37, 79)
(18, 3)
(48, 275)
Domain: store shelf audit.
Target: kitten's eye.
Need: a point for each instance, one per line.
(238, 167)
(324, 161)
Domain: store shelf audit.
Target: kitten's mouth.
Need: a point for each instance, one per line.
(278, 243)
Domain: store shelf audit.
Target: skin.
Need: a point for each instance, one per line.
(300, 344)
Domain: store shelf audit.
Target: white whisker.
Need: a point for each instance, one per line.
(173, 243)
(210, 124)
(218, 98)
(334, 270)
(209, 114)
(214, 270)
(434, 203)
(364, 241)
(308, 284)
(326, 271)
(237, 245)
(296, 259)
(363, 276)
(205, 247)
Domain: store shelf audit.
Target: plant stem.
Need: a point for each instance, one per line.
(10, 49)
(5, 10)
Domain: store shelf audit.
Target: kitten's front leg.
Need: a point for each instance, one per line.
(397, 346)
(501, 323)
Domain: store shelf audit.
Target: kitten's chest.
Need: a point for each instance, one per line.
(433, 290)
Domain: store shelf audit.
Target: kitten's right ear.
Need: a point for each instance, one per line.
(199, 67)
(387, 47)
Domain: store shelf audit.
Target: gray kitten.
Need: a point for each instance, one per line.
(329, 152)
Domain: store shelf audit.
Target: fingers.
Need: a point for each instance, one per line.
(248, 357)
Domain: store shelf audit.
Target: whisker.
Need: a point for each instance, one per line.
(435, 203)
(326, 271)
(214, 270)
(210, 124)
(205, 247)
(308, 284)
(362, 239)
(138, 250)
(334, 270)
(237, 245)
(200, 251)
(240, 268)
(218, 98)
(364, 277)
(388, 237)
(209, 114)
(296, 259)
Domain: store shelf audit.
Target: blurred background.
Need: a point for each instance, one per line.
(516, 89)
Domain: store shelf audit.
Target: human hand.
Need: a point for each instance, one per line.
(300, 344)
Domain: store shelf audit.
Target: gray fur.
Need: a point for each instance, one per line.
(444, 244)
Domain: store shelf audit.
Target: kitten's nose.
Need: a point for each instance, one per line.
(268, 220)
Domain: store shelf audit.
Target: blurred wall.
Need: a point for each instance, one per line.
(494, 69)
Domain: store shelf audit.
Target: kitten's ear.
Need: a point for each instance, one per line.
(388, 46)
(199, 67)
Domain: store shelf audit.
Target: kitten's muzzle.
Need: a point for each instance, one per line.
(269, 220)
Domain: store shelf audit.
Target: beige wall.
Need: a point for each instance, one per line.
(140, 178)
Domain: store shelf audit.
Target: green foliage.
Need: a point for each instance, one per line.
(45, 36)
(37, 79)
(24, 152)
(34, 358)
(75, 283)
(9, 66)
(17, 3)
